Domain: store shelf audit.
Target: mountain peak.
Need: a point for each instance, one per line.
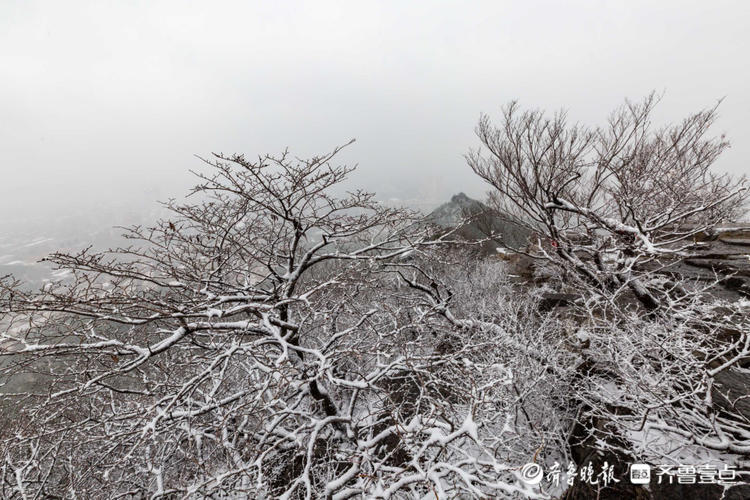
(478, 221)
(460, 198)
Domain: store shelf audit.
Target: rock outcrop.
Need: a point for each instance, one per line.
(480, 222)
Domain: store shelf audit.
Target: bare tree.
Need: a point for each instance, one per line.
(272, 340)
(268, 340)
(615, 210)
(614, 205)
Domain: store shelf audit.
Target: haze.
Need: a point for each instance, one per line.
(105, 104)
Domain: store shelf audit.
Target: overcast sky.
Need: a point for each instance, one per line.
(106, 102)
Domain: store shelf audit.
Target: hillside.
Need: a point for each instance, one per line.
(482, 222)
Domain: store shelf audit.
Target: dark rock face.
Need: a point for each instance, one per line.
(730, 392)
(667, 491)
(484, 222)
(585, 450)
(739, 492)
(726, 253)
(552, 300)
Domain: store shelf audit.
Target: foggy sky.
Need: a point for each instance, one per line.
(108, 102)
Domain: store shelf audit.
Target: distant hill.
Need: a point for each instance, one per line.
(483, 222)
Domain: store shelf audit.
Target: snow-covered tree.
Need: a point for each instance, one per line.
(271, 339)
(268, 340)
(613, 207)
(660, 357)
